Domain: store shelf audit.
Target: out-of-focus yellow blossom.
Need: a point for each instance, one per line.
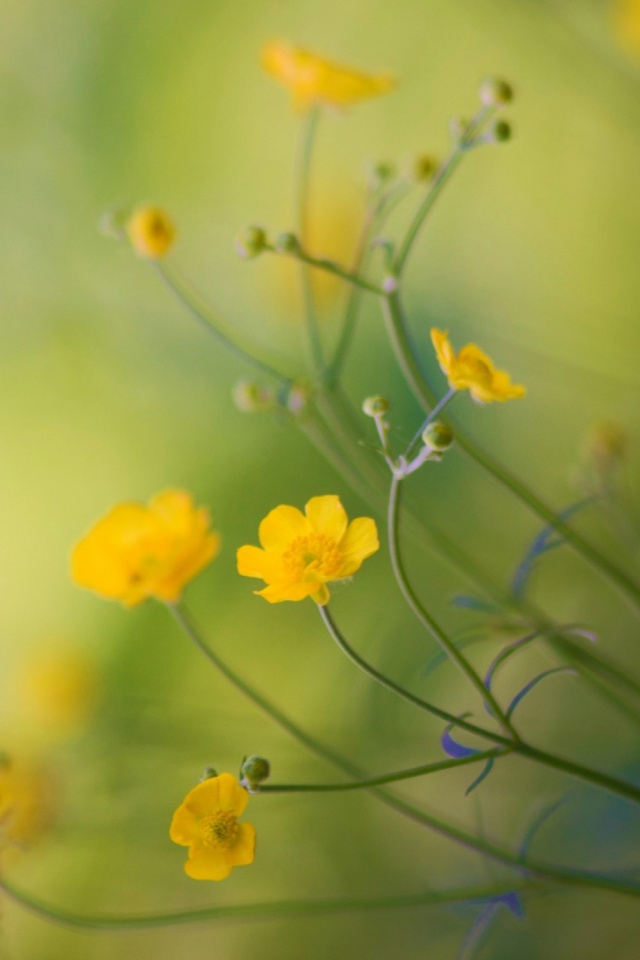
(25, 804)
(302, 552)
(139, 551)
(313, 79)
(207, 823)
(150, 231)
(626, 15)
(58, 689)
(473, 370)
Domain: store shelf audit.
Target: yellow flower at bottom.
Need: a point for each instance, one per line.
(207, 823)
(150, 232)
(138, 551)
(313, 79)
(303, 552)
(473, 370)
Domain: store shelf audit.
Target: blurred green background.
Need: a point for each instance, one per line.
(111, 393)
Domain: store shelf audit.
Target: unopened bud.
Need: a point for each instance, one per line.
(151, 232)
(208, 774)
(375, 406)
(254, 771)
(250, 397)
(425, 166)
(251, 242)
(287, 243)
(499, 132)
(437, 436)
(495, 92)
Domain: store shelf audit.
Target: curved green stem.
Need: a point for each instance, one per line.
(428, 621)
(302, 177)
(407, 358)
(401, 692)
(214, 326)
(396, 777)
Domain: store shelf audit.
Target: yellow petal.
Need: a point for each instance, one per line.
(204, 798)
(244, 849)
(360, 541)
(327, 516)
(321, 596)
(254, 562)
(184, 826)
(444, 350)
(278, 592)
(280, 527)
(232, 796)
(208, 863)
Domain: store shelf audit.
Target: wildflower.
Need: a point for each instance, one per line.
(207, 823)
(312, 79)
(303, 552)
(150, 232)
(473, 370)
(25, 803)
(138, 551)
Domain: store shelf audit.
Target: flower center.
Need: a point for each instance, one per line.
(476, 371)
(219, 829)
(315, 551)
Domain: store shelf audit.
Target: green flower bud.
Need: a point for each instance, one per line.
(437, 436)
(251, 397)
(254, 771)
(500, 132)
(208, 774)
(375, 406)
(425, 167)
(495, 92)
(251, 242)
(287, 243)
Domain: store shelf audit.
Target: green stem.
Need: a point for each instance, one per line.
(406, 356)
(337, 271)
(291, 909)
(395, 777)
(401, 692)
(213, 326)
(301, 219)
(427, 620)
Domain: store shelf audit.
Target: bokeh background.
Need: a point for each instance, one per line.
(111, 393)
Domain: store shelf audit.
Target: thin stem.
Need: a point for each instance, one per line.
(396, 777)
(401, 691)
(337, 271)
(407, 358)
(577, 770)
(427, 620)
(302, 177)
(213, 325)
(293, 909)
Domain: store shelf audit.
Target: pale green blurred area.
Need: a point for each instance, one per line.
(110, 393)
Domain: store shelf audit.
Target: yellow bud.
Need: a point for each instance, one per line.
(151, 232)
(425, 167)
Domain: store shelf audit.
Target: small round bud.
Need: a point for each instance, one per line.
(500, 132)
(251, 397)
(208, 774)
(425, 167)
(375, 407)
(287, 243)
(437, 436)
(495, 92)
(251, 242)
(382, 170)
(151, 232)
(254, 771)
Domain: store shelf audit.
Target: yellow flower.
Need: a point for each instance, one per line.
(627, 23)
(25, 803)
(150, 232)
(207, 823)
(303, 552)
(315, 80)
(59, 688)
(138, 551)
(473, 370)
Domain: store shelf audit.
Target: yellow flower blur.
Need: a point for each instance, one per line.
(139, 551)
(312, 79)
(302, 552)
(150, 231)
(473, 370)
(207, 823)
(627, 23)
(25, 803)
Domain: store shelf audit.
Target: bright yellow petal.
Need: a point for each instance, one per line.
(254, 562)
(339, 86)
(321, 596)
(444, 350)
(327, 516)
(280, 527)
(360, 542)
(184, 826)
(204, 798)
(208, 863)
(232, 796)
(278, 592)
(244, 849)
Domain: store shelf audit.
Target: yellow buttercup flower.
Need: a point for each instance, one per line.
(150, 231)
(138, 551)
(473, 370)
(207, 823)
(626, 15)
(302, 552)
(313, 79)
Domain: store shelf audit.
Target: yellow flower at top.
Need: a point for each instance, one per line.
(207, 823)
(139, 551)
(313, 79)
(302, 552)
(473, 370)
(626, 14)
(150, 231)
